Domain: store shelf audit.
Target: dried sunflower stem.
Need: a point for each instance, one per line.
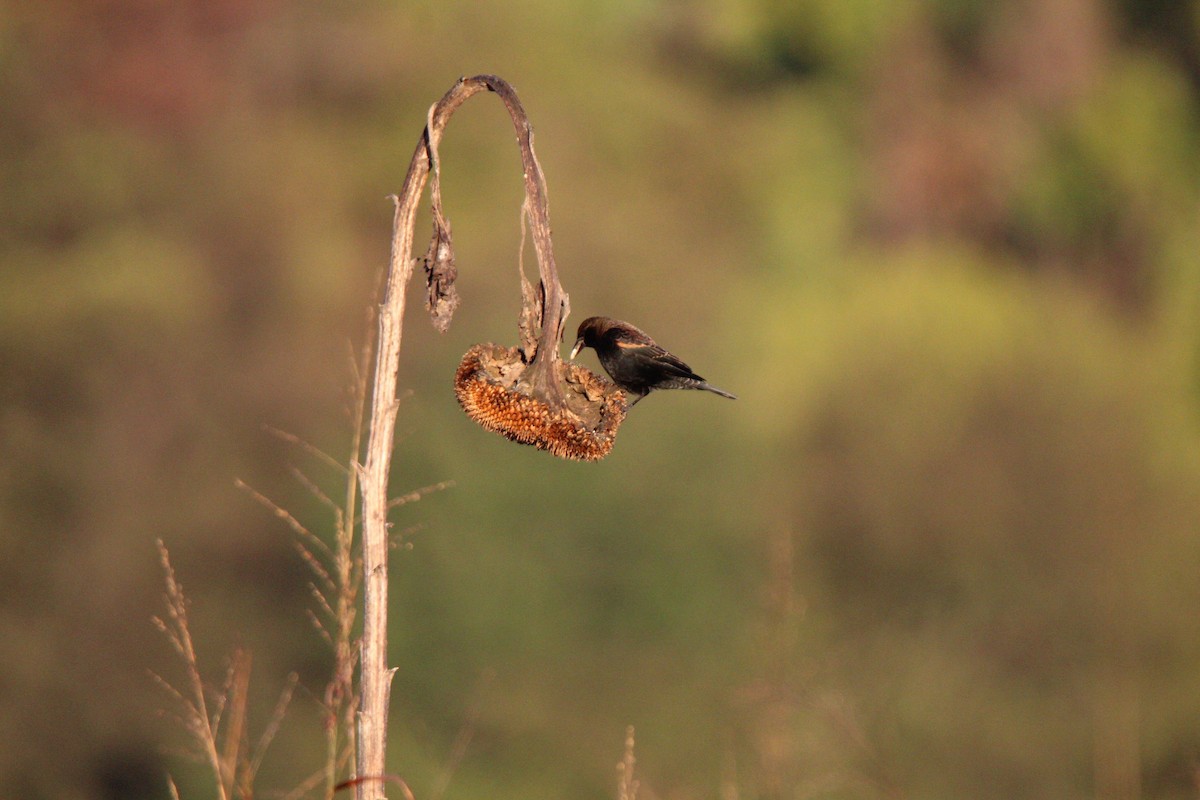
(375, 674)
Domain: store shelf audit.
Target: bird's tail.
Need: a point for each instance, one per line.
(709, 387)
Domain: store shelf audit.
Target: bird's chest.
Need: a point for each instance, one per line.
(627, 369)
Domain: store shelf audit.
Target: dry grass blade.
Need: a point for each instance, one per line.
(321, 601)
(399, 539)
(319, 626)
(196, 720)
(237, 692)
(312, 450)
(315, 566)
(169, 632)
(627, 784)
(417, 494)
(273, 724)
(217, 721)
(310, 538)
(316, 492)
(174, 693)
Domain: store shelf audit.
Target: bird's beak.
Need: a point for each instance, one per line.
(578, 346)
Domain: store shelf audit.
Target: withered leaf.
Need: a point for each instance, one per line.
(440, 274)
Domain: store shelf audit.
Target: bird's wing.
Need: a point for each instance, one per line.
(652, 355)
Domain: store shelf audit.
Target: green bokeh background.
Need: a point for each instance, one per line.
(945, 545)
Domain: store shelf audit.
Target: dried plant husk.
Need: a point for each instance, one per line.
(498, 390)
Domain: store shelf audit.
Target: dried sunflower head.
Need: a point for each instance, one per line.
(493, 386)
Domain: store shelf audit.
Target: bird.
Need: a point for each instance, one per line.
(634, 361)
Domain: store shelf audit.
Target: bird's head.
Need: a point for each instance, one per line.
(590, 331)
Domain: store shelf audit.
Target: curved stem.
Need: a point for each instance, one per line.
(555, 304)
(375, 674)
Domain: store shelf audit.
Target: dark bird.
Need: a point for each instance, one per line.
(634, 361)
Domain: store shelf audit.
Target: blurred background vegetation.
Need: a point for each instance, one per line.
(944, 546)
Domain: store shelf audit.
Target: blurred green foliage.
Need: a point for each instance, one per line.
(945, 252)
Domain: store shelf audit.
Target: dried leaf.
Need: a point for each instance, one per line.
(440, 275)
(531, 309)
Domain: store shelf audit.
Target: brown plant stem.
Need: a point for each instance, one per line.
(375, 674)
